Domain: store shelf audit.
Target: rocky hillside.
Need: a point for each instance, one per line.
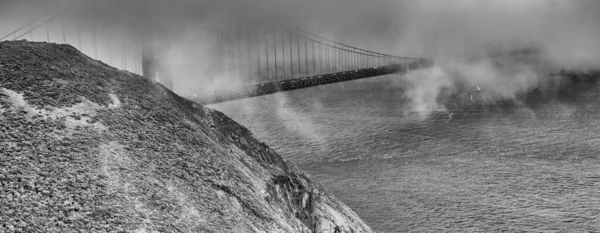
(85, 147)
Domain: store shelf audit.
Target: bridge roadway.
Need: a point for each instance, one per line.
(299, 83)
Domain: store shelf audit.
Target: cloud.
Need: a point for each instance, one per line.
(564, 32)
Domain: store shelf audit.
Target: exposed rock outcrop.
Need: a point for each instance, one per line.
(85, 147)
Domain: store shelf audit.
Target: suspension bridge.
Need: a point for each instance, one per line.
(230, 61)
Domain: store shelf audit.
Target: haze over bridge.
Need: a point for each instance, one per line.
(231, 61)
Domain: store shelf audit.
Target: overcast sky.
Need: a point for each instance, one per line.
(428, 27)
(567, 31)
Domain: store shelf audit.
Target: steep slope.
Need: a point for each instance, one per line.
(86, 147)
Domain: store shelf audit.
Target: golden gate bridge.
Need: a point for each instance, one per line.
(235, 60)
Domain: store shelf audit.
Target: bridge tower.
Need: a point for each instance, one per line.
(153, 68)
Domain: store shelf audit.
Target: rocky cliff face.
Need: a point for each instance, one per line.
(85, 147)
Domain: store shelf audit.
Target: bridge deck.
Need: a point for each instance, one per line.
(299, 83)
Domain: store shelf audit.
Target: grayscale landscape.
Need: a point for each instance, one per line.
(313, 116)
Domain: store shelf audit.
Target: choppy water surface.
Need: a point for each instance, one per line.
(519, 169)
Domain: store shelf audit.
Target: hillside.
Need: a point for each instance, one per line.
(85, 147)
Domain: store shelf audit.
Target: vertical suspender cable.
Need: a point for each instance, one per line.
(124, 54)
(267, 57)
(299, 61)
(109, 49)
(94, 35)
(211, 62)
(48, 32)
(314, 69)
(291, 55)
(133, 54)
(258, 71)
(219, 65)
(353, 54)
(240, 63)
(334, 59)
(326, 59)
(321, 61)
(250, 76)
(346, 56)
(283, 54)
(229, 56)
(79, 35)
(338, 58)
(351, 58)
(347, 52)
(275, 52)
(354, 60)
(345, 60)
(329, 58)
(343, 54)
(364, 58)
(341, 59)
(306, 56)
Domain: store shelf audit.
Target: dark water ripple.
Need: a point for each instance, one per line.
(530, 168)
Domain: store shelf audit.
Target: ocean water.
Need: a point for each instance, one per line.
(521, 167)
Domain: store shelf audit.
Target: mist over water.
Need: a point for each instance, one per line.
(529, 164)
